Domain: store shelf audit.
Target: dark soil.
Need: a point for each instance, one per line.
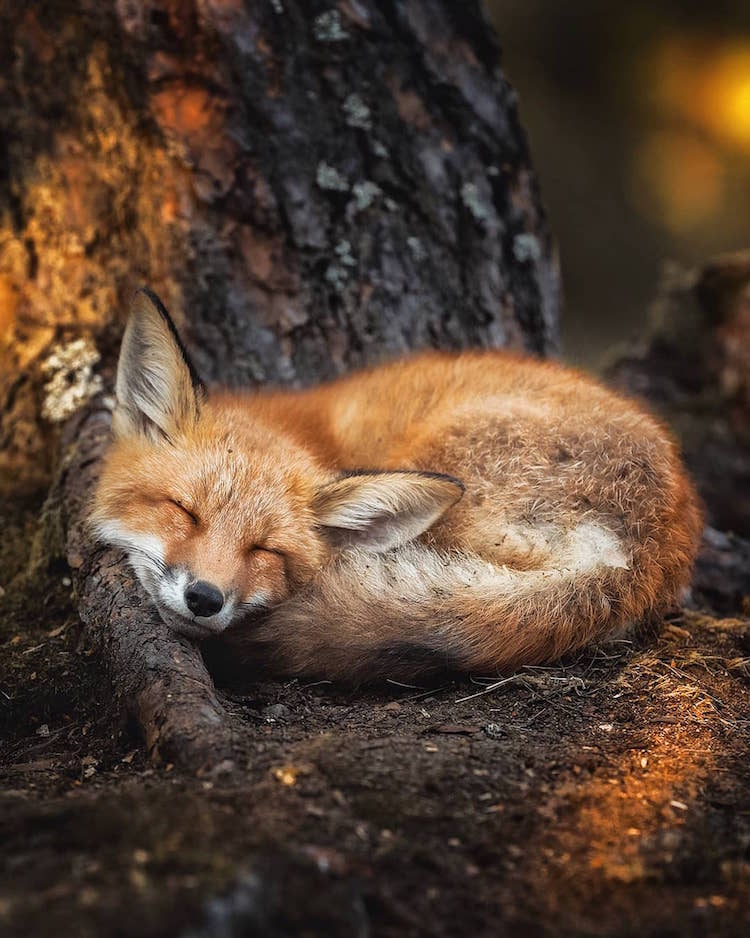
(606, 796)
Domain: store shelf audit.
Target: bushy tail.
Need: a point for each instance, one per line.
(414, 611)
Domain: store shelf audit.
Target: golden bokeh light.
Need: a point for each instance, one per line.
(707, 85)
(699, 94)
(725, 101)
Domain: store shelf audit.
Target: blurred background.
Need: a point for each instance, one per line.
(639, 119)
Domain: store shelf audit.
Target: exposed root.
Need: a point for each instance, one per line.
(158, 677)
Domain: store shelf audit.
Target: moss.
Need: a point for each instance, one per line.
(471, 198)
(328, 177)
(526, 247)
(327, 27)
(365, 194)
(71, 380)
(357, 113)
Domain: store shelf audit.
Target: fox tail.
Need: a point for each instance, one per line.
(416, 611)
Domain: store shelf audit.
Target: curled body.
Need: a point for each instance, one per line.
(475, 511)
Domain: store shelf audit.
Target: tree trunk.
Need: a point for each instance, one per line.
(692, 364)
(309, 186)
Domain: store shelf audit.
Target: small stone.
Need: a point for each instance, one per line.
(43, 730)
(275, 712)
(225, 767)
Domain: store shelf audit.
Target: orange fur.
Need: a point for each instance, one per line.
(577, 517)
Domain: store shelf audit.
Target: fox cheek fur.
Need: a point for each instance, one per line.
(507, 511)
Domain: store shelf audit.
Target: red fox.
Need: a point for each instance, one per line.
(473, 511)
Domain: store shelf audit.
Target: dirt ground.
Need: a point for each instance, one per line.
(605, 796)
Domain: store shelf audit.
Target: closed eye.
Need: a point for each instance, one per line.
(267, 550)
(186, 511)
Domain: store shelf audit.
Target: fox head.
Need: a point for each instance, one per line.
(224, 515)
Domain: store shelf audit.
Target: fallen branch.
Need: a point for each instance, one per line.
(158, 677)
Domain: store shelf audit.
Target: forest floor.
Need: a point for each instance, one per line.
(606, 796)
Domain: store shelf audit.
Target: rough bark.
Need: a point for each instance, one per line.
(310, 186)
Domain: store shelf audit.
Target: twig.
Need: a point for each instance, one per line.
(493, 687)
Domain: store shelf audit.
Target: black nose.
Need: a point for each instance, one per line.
(203, 599)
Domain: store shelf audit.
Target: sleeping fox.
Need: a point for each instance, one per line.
(475, 511)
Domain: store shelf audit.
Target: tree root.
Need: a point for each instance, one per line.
(158, 677)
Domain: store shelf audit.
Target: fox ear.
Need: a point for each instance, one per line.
(158, 390)
(380, 510)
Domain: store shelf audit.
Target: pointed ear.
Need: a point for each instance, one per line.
(380, 510)
(158, 390)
